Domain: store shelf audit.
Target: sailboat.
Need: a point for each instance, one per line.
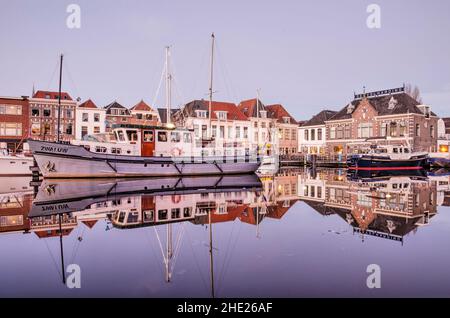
(139, 150)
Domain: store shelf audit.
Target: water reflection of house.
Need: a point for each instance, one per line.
(49, 226)
(389, 208)
(14, 208)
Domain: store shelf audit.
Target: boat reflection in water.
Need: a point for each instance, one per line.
(381, 205)
(377, 203)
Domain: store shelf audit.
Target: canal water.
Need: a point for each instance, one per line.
(299, 233)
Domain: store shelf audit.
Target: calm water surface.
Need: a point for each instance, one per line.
(296, 234)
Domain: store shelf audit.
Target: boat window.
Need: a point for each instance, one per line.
(187, 138)
(162, 214)
(148, 135)
(187, 212)
(120, 135)
(395, 150)
(117, 151)
(175, 136)
(162, 136)
(148, 215)
(121, 217)
(132, 217)
(100, 149)
(406, 150)
(132, 135)
(400, 150)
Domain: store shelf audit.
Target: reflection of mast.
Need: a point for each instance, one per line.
(169, 253)
(211, 260)
(63, 273)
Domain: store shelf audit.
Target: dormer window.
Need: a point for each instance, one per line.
(286, 120)
(221, 115)
(47, 96)
(263, 113)
(392, 103)
(350, 108)
(202, 114)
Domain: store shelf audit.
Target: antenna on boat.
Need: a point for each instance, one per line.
(59, 95)
(211, 77)
(168, 77)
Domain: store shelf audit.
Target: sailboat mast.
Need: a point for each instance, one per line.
(168, 85)
(59, 97)
(211, 260)
(211, 77)
(61, 249)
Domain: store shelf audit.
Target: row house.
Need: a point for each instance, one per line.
(144, 114)
(312, 133)
(44, 116)
(116, 114)
(89, 119)
(229, 127)
(287, 129)
(14, 122)
(263, 134)
(386, 117)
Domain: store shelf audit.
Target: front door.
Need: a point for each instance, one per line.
(148, 142)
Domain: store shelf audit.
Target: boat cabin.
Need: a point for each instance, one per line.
(140, 140)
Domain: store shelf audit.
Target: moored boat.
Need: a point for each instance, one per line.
(388, 158)
(15, 164)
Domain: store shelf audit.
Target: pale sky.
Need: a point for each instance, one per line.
(306, 55)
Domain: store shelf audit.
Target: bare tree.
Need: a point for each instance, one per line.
(414, 92)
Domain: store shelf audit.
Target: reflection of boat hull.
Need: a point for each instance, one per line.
(369, 162)
(69, 161)
(15, 165)
(63, 196)
(374, 175)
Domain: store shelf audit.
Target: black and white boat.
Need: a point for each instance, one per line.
(388, 158)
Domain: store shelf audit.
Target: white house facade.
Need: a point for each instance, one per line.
(89, 120)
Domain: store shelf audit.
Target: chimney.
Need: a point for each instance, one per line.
(425, 109)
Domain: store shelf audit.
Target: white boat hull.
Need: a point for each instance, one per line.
(69, 161)
(15, 165)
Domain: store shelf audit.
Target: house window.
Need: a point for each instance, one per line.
(35, 112)
(175, 136)
(306, 134)
(68, 113)
(84, 131)
(204, 131)
(85, 117)
(69, 130)
(148, 117)
(214, 131)
(263, 113)
(319, 134)
(432, 131)
(10, 110)
(202, 113)
(402, 130)
(340, 132)
(263, 124)
(383, 130)
(96, 130)
(245, 132)
(417, 130)
(393, 129)
(365, 130)
(222, 132)
(196, 131)
(256, 136)
(333, 133)
(139, 116)
(96, 117)
(348, 131)
(286, 120)
(10, 129)
(313, 134)
(222, 115)
(230, 132)
(238, 132)
(47, 112)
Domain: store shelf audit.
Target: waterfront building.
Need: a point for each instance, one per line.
(14, 209)
(144, 114)
(228, 127)
(89, 119)
(44, 116)
(389, 117)
(14, 122)
(116, 114)
(312, 134)
(287, 128)
(263, 134)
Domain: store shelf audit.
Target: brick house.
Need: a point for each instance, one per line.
(14, 122)
(144, 114)
(287, 129)
(44, 116)
(116, 114)
(381, 118)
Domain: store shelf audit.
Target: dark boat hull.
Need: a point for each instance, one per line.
(367, 162)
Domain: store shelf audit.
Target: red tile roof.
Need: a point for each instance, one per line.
(248, 107)
(233, 112)
(51, 95)
(88, 104)
(142, 106)
(279, 112)
(90, 224)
